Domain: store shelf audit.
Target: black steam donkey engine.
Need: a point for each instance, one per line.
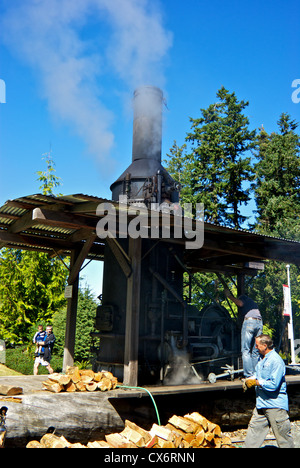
(177, 342)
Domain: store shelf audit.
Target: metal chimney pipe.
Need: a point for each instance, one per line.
(146, 180)
(147, 123)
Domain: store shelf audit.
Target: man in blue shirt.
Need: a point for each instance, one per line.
(271, 398)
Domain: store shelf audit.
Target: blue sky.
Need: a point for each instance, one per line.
(70, 69)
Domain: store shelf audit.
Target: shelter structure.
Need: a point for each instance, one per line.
(67, 226)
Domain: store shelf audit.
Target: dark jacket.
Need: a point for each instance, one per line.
(48, 346)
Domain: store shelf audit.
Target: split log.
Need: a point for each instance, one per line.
(145, 434)
(2, 438)
(9, 390)
(118, 441)
(104, 384)
(91, 386)
(53, 441)
(133, 436)
(34, 444)
(77, 445)
(71, 387)
(86, 379)
(88, 373)
(52, 386)
(184, 424)
(98, 376)
(80, 386)
(162, 432)
(198, 419)
(98, 444)
(74, 373)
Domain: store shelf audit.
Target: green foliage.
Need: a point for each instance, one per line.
(277, 189)
(216, 167)
(223, 164)
(48, 178)
(21, 359)
(86, 313)
(31, 291)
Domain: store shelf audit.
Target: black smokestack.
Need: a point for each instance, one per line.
(147, 124)
(145, 180)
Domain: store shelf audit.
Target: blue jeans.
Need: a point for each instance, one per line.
(250, 330)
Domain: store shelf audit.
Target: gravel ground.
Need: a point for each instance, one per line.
(239, 436)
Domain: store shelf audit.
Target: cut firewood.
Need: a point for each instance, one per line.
(117, 441)
(53, 441)
(104, 384)
(34, 444)
(2, 438)
(225, 441)
(198, 419)
(162, 432)
(133, 436)
(86, 379)
(200, 436)
(62, 379)
(71, 387)
(74, 373)
(98, 444)
(80, 386)
(184, 424)
(80, 381)
(190, 431)
(145, 434)
(162, 443)
(77, 445)
(52, 386)
(87, 372)
(91, 386)
(10, 390)
(98, 376)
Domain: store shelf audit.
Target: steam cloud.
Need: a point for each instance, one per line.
(127, 41)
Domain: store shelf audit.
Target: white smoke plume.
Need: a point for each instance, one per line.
(73, 62)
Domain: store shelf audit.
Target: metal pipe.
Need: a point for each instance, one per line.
(147, 123)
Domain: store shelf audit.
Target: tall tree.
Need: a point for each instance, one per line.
(216, 169)
(32, 290)
(277, 188)
(237, 141)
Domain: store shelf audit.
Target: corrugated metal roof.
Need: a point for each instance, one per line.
(17, 229)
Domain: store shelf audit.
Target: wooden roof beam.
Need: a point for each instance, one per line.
(62, 219)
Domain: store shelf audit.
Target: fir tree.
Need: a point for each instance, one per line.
(277, 189)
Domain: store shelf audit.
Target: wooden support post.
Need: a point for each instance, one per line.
(71, 317)
(132, 314)
(240, 284)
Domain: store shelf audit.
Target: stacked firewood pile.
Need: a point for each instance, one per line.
(189, 431)
(76, 380)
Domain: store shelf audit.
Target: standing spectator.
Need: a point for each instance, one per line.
(44, 356)
(271, 398)
(38, 337)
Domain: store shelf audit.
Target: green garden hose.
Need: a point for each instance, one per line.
(151, 396)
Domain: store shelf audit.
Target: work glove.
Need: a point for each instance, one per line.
(249, 383)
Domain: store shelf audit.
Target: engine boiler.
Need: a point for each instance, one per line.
(176, 340)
